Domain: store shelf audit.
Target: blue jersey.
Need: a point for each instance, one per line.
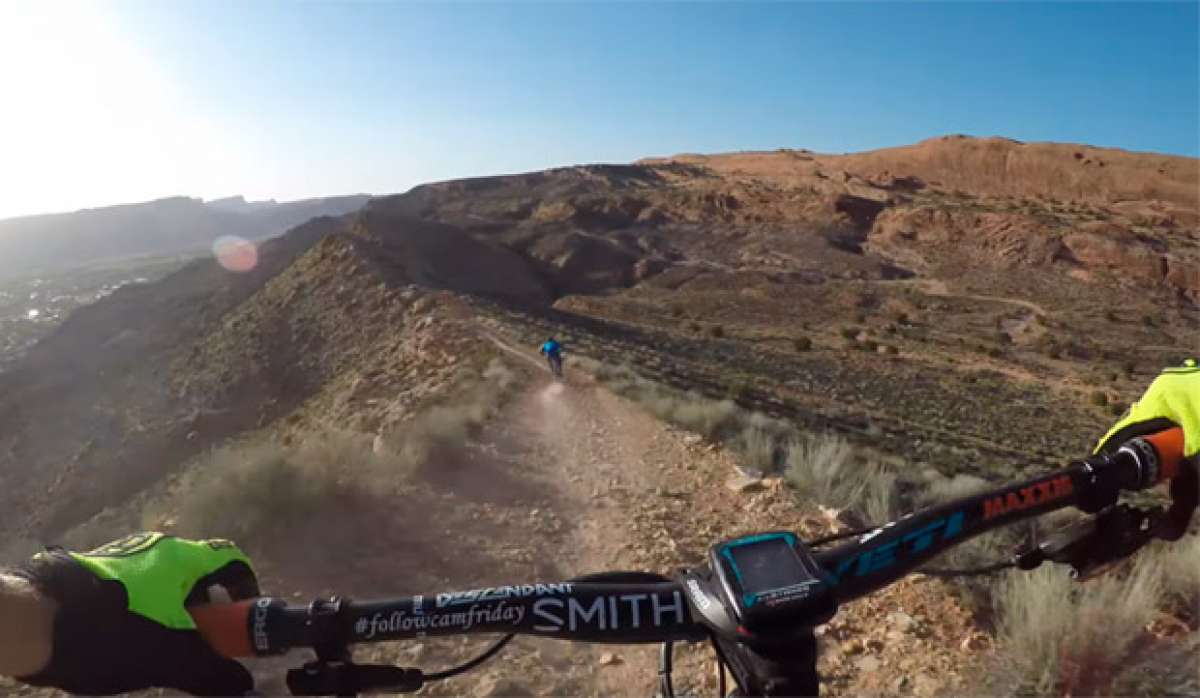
(551, 348)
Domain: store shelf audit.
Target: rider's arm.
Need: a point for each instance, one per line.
(26, 627)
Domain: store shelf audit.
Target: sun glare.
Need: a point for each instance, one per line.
(88, 117)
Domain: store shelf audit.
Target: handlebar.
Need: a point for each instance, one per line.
(635, 608)
(626, 613)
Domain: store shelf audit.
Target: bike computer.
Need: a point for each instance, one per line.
(770, 580)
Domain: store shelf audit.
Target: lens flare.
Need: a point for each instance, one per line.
(235, 253)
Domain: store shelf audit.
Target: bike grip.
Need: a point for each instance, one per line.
(1168, 444)
(226, 627)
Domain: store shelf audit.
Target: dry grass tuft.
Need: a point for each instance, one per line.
(444, 428)
(1180, 562)
(253, 491)
(824, 470)
(942, 489)
(250, 491)
(1058, 636)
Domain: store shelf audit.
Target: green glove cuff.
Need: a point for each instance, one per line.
(159, 572)
(1175, 397)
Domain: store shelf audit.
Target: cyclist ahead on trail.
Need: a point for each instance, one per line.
(552, 350)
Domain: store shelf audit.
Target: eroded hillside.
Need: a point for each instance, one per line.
(972, 303)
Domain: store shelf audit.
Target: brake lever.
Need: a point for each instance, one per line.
(1092, 546)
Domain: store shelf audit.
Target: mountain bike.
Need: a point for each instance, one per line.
(757, 598)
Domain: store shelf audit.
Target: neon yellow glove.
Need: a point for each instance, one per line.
(1173, 399)
(122, 622)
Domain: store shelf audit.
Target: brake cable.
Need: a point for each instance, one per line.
(471, 663)
(970, 571)
(666, 687)
(840, 536)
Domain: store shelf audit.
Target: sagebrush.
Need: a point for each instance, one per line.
(1056, 635)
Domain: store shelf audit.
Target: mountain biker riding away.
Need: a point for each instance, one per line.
(115, 619)
(552, 350)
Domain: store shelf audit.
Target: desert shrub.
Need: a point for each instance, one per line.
(1165, 667)
(1180, 563)
(1098, 398)
(1058, 636)
(717, 331)
(755, 438)
(824, 470)
(1117, 408)
(252, 490)
(944, 489)
(449, 426)
(802, 344)
(713, 419)
(1079, 350)
(694, 326)
(756, 449)
(892, 350)
(849, 332)
(819, 467)
(608, 373)
(709, 418)
(742, 389)
(880, 500)
(761, 441)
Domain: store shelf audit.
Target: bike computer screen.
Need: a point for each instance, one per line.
(765, 565)
(771, 579)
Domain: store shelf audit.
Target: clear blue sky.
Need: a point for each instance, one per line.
(288, 99)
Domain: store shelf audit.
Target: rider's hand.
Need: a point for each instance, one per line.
(1173, 399)
(121, 622)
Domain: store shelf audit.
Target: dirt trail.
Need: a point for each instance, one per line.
(935, 287)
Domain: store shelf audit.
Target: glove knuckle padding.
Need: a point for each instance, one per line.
(121, 623)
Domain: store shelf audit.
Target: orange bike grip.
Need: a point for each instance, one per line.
(226, 627)
(1169, 446)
